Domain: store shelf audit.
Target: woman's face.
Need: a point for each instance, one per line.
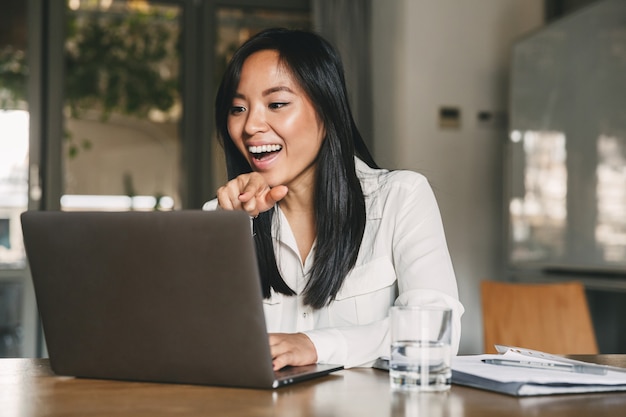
(274, 124)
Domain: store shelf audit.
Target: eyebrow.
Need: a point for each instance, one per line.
(267, 92)
(277, 89)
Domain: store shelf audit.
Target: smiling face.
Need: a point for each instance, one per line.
(274, 124)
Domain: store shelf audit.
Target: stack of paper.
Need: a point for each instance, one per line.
(517, 373)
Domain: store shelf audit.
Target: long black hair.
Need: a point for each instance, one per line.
(338, 201)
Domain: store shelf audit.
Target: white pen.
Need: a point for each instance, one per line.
(581, 369)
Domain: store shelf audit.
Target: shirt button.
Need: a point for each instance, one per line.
(304, 314)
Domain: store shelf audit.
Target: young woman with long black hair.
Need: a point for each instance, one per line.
(338, 239)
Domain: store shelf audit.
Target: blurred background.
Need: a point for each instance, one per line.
(514, 109)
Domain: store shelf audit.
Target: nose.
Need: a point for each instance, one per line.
(255, 122)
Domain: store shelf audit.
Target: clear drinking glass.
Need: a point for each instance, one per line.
(420, 348)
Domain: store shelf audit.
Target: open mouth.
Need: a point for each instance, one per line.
(263, 151)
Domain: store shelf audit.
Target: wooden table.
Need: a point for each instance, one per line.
(29, 388)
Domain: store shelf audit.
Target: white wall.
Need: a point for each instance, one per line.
(147, 151)
(433, 53)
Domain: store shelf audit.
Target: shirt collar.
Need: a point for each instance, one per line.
(371, 181)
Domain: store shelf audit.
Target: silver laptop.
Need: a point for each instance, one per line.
(153, 296)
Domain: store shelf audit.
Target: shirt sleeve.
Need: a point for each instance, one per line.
(210, 205)
(422, 261)
(411, 226)
(352, 346)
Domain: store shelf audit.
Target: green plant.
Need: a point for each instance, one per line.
(121, 62)
(13, 73)
(114, 62)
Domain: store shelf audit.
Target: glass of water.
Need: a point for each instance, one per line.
(420, 348)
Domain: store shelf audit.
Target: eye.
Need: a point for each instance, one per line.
(277, 105)
(237, 109)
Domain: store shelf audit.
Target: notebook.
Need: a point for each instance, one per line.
(533, 377)
(522, 372)
(153, 296)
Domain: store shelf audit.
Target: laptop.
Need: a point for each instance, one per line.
(169, 297)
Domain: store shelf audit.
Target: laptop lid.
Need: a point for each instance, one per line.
(152, 296)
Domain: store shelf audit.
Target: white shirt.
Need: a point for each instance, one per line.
(403, 260)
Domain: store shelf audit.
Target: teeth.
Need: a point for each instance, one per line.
(264, 148)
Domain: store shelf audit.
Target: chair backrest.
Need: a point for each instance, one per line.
(552, 318)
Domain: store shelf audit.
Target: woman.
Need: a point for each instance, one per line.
(338, 239)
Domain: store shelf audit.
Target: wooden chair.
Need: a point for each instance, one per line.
(552, 318)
